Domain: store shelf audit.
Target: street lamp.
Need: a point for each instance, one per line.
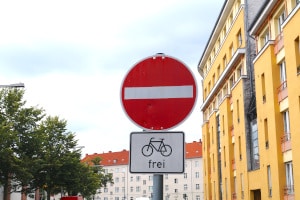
(14, 85)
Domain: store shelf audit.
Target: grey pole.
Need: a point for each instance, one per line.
(158, 185)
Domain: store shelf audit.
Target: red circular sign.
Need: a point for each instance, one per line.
(158, 93)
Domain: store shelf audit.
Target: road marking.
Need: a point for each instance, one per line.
(158, 92)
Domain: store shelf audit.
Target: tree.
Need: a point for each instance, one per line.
(17, 128)
(38, 152)
(57, 151)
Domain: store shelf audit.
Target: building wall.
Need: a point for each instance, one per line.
(135, 185)
(224, 84)
(277, 44)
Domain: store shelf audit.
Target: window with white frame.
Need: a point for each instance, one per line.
(138, 189)
(286, 125)
(197, 186)
(254, 145)
(265, 37)
(289, 178)
(137, 178)
(269, 181)
(185, 187)
(185, 175)
(166, 187)
(280, 19)
(283, 77)
(197, 174)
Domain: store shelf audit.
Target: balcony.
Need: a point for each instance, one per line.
(233, 164)
(286, 142)
(234, 196)
(289, 192)
(232, 130)
(278, 43)
(282, 91)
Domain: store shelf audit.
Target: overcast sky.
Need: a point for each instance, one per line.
(72, 56)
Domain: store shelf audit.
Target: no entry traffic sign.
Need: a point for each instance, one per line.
(158, 93)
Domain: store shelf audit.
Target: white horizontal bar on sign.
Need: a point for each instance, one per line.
(158, 92)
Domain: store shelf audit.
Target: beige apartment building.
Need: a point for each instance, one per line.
(188, 185)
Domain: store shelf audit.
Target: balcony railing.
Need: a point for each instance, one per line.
(233, 164)
(234, 196)
(282, 91)
(289, 192)
(286, 142)
(232, 130)
(278, 43)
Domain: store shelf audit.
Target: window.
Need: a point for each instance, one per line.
(131, 189)
(286, 125)
(240, 148)
(239, 72)
(269, 180)
(266, 129)
(166, 187)
(231, 50)
(238, 110)
(131, 178)
(224, 62)
(280, 20)
(254, 145)
(105, 190)
(185, 187)
(138, 189)
(263, 88)
(265, 37)
(185, 175)
(297, 54)
(197, 186)
(197, 174)
(289, 178)
(197, 197)
(282, 69)
(176, 190)
(150, 188)
(144, 182)
(196, 163)
(116, 189)
(239, 38)
(242, 186)
(175, 180)
(117, 179)
(137, 178)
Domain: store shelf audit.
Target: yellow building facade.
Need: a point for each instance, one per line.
(250, 109)
(277, 80)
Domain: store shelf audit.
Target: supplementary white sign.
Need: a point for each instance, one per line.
(157, 152)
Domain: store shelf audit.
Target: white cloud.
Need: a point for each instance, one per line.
(72, 56)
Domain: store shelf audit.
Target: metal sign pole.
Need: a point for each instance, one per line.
(158, 180)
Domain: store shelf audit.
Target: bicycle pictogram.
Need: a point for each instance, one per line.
(157, 145)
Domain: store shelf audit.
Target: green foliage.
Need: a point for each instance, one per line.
(38, 152)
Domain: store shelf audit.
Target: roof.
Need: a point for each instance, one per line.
(109, 158)
(193, 150)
